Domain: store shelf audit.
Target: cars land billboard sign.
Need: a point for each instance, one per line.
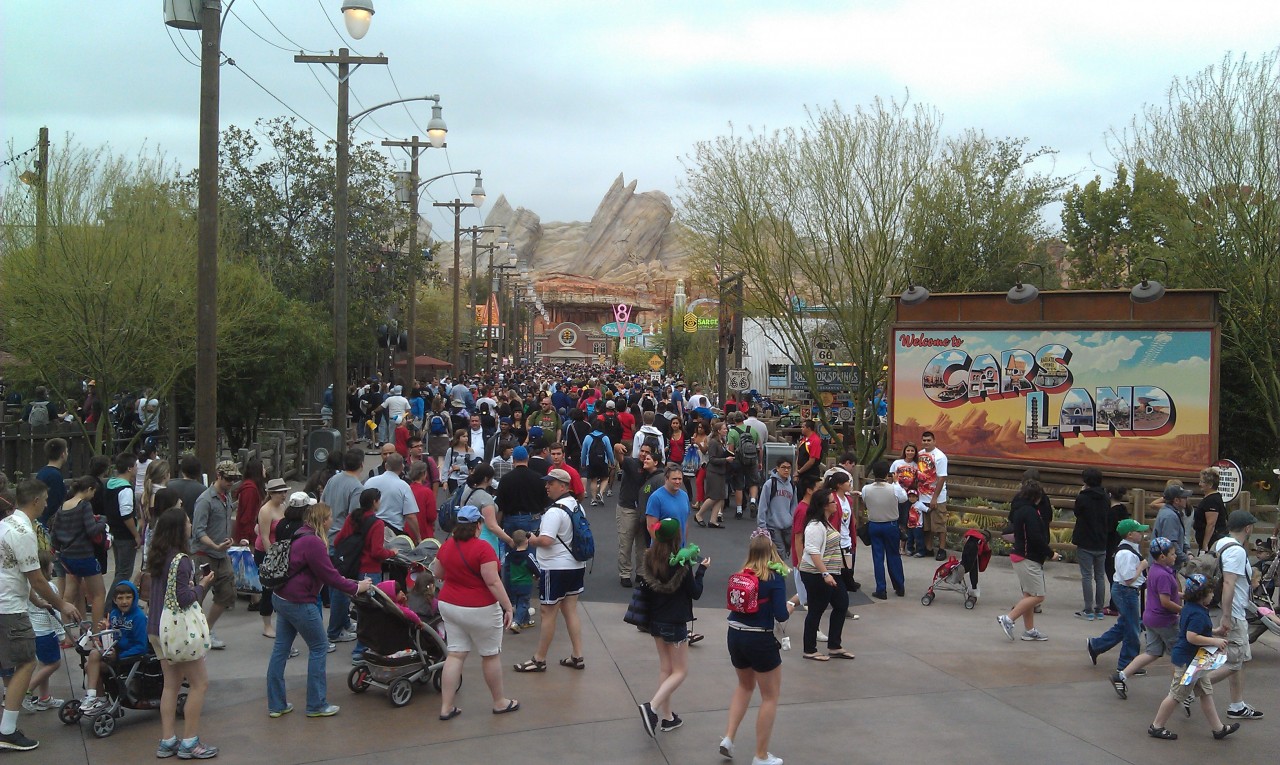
(1129, 398)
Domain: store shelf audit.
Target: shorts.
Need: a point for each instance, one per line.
(472, 628)
(17, 640)
(1238, 650)
(556, 584)
(670, 633)
(757, 651)
(936, 520)
(597, 471)
(1030, 577)
(224, 579)
(1160, 640)
(735, 481)
(1184, 692)
(48, 651)
(81, 567)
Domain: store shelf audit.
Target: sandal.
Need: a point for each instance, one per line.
(695, 637)
(512, 706)
(576, 662)
(816, 656)
(1162, 733)
(532, 665)
(452, 714)
(841, 655)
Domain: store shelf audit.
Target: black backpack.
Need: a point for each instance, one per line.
(654, 443)
(598, 454)
(275, 569)
(347, 553)
(748, 451)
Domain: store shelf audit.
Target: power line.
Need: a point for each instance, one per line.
(190, 50)
(181, 55)
(396, 85)
(279, 100)
(289, 39)
(254, 32)
(332, 26)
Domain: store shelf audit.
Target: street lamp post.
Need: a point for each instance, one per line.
(457, 206)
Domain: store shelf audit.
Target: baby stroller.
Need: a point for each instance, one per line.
(1262, 596)
(397, 654)
(962, 575)
(135, 682)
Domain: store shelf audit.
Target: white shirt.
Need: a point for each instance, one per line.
(42, 621)
(557, 524)
(140, 477)
(1235, 561)
(940, 467)
(18, 557)
(699, 401)
(1127, 565)
(397, 498)
(846, 515)
(396, 406)
(762, 431)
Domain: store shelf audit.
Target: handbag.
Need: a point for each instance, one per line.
(638, 609)
(184, 632)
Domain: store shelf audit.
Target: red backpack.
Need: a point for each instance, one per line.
(744, 592)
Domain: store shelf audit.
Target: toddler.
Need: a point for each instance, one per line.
(518, 573)
(915, 524)
(49, 635)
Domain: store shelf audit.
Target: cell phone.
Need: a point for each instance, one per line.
(205, 569)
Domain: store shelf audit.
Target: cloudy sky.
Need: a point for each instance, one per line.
(552, 100)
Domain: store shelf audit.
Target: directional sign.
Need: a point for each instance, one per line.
(739, 379)
(655, 362)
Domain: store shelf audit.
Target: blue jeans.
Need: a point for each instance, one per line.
(1125, 631)
(915, 540)
(519, 594)
(357, 651)
(884, 542)
(292, 620)
(1093, 577)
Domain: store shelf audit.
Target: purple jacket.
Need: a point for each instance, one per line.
(311, 567)
(186, 590)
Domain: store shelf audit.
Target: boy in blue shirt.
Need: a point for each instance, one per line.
(1195, 629)
(131, 641)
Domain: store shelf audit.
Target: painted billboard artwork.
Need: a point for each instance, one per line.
(1131, 399)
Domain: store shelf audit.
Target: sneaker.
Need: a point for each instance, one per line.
(726, 748)
(822, 636)
(1120, 686)
(1186, 706)
(216, 644)
(1093, 655)
(1086, 615)
(295, 652)
(167, 750)
(17, 742)
(751, 505)
(197, 751)
(649, 718)
(332, 647)
(1097, 615)
(738, 514)
(769, 759)
(1006, 624)
(625, 582)
(94, 706)
(328, 711)
(609, 493)
(1034, 634)
(346, 636)
(1139, 673)
(1247, 713)
(273, 714)
(673, 723)
(940, 555)
(1109, 611)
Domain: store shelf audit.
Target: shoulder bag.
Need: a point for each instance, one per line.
(184, 632)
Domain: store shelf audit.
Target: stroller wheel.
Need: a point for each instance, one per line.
(401, 691)
(182, 705)
(436, 678)
(69, 713)
(927, 599)
(104, 725)
(358, 679)
(969, 603)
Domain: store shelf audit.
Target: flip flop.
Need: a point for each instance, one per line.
(452, 714)
(816, 656)
(512, 706)
(841, 655)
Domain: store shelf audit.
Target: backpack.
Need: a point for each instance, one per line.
(583, 545)
(274, 571)
(597, 454)
(39, 415)
(437, 427)
(748, 452)
(652, 441)
(347, 553)
(447, 515)
(744, 592)
(692, 460)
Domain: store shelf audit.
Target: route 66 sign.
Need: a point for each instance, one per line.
(739, 379)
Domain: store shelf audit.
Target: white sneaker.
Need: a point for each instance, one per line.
(726, 748)
(215, 643)
(93, 706)
(822, 636)
(769, 759)
(1006, 624)
(346, 636)
(1034, 634)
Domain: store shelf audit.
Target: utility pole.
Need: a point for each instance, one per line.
(42, 193)
(727, 325)
(455, 350)
(415, 147)
(344, 60)
(207, 240)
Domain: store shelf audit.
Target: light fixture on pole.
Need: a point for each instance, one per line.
(1149, 290)
(1022, 293)
(357, 14)
(916, 294)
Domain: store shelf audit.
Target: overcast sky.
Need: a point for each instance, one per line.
(552, 100)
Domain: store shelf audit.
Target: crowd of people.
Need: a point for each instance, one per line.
(512, 467)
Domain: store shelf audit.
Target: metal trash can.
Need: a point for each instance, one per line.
(776, 450)
(321, 443)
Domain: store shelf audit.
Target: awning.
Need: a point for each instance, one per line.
(425, 361)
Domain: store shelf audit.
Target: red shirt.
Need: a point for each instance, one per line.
(676, 447)
(461, 562)
(426, 508)
(811, 446)
(797, 532)
(402, 441)
(575, 480)
(249, 501)
(628, 423)
(374, 552)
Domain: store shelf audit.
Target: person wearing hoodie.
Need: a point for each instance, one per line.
(649, 433)
(130, 641)
(1093, 507)
(670, 589)
(1030, 550)
(778, 507)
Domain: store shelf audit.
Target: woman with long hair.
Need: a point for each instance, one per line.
(74, 526)
(156, 479)
(905, 473)
(475, 608)
(170, 540)
(1030, 550)
(269, 516)
(698, 440)
(297, 607)
(670, 588)
(753, 649)
(840, 485)
(819, 566)
(249, 495)
(718, 462)
(458, 459)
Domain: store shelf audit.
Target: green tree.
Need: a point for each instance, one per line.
(635, 359)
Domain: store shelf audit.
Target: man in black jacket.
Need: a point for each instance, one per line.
(1031, 548)
(1092, 508)
(521, 495)
(630, 513)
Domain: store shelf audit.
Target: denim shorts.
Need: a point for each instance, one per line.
(81, 567)
(670, 633)
(47, 649)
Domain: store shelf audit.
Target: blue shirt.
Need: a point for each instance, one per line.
(772, 599)
(663, 504)
(1193, 621)
(52, 477)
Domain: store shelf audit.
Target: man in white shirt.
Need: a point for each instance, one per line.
(931, 482)
(1236, 580)
(399, 509)
(395, 405)
(560, 575)
(20, 573)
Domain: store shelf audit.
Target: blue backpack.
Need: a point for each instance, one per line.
(583, 545)
(437, 427)
(447, 513)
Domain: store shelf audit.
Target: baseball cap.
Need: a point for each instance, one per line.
(229, 468)
(1240, 519)
(1129, 525)
(668, 529)
(520, 454)
(504, 420)
(1176, 492)
(469, 514)
(1160, 546)
(300, 499)
(610, 405)
(557, 474)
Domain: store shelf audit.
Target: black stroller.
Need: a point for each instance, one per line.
(397, 654)
(135, 682)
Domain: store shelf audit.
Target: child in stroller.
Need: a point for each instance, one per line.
(962, 575)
